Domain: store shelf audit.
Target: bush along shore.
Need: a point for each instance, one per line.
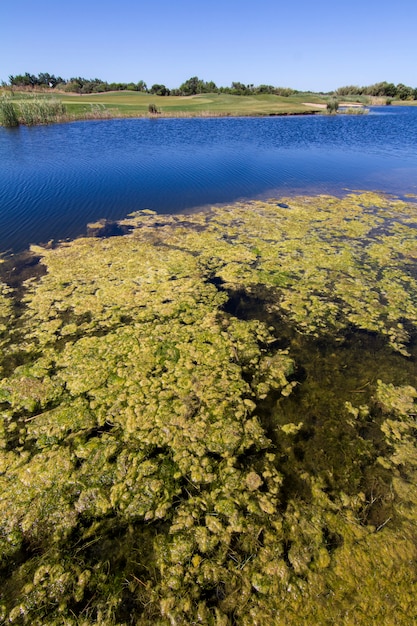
(212, 418)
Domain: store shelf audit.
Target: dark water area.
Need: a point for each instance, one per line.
(54, 180)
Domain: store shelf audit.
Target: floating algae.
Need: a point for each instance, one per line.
(212, 420)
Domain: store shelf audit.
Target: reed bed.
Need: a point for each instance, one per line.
(31, 111)
(8, 113)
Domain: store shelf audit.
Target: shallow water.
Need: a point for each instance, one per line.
(56, 179)
(215, 417)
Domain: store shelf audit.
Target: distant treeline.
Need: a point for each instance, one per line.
(384, 89)
(190, 87)
(195, 85)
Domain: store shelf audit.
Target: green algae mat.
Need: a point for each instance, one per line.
(211, 419)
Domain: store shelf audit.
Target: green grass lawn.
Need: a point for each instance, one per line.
(203, 104)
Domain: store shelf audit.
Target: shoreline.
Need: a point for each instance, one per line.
(108, 115)
(39, 108)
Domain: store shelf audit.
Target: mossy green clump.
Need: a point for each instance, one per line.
(211, 420)
(6, 316)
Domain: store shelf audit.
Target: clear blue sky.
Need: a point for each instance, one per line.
(316, 45)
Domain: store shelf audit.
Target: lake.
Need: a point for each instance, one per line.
(54, 180)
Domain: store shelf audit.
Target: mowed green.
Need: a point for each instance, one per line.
(134, 104)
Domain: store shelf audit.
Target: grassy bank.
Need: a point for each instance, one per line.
(134, 104)
(121, 104)
(211, 420)
(137, 104)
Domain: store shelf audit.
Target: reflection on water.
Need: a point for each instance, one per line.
(54, 180)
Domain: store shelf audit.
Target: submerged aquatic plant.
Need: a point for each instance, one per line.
(356, 110)
(211, 420)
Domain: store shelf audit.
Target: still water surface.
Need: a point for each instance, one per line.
(56, 179)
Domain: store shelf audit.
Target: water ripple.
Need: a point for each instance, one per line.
(55, 179)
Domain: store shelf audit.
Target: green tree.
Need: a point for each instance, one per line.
(22, 80)
(390, 90)
(195, 85)
(141, 86)
(192, 86)
(211, 87)
(404, 92)
(239, 89)
(159, 90)
(265, 89)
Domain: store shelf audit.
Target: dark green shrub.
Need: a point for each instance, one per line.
(332, 106)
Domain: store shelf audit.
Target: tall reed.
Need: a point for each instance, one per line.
(332, 106)
(8, 114)
(31, 111)
(40, 111)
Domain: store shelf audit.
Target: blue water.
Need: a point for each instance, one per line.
(56, 179)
